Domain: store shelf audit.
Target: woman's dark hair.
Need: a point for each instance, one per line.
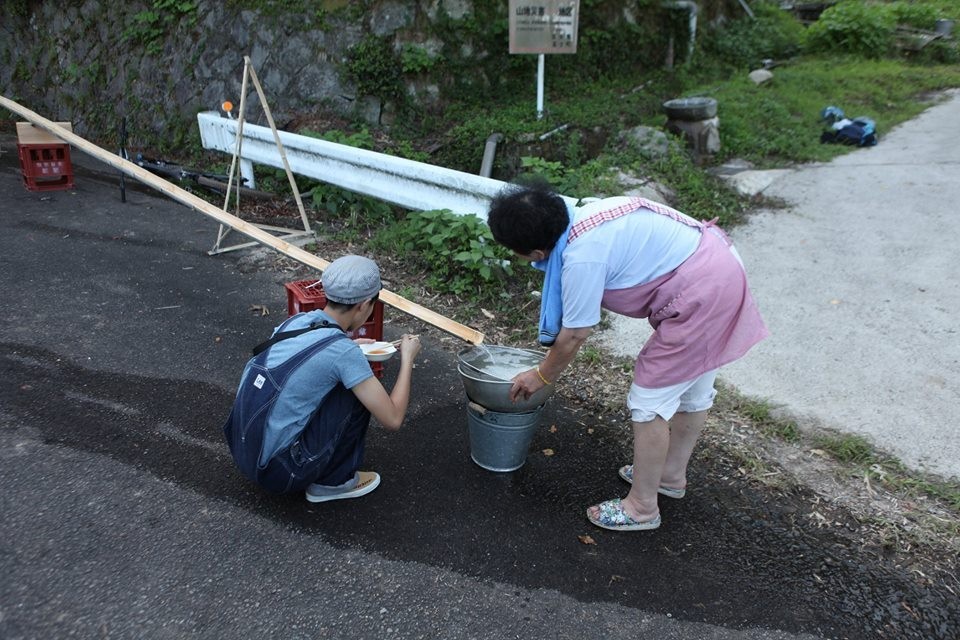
(524, 218)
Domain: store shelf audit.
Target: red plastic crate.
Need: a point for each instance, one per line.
(46, 167)
(307, 295)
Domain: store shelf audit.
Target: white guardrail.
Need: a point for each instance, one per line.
(406, 183)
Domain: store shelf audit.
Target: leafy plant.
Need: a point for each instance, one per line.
(746, 42)
(150, 27)
(415, 59)
(852, 27)
(551, 171)
(458, 251)
(374, 67)
(361, 139)
(591, 355)
(352, 206)
(920, 16)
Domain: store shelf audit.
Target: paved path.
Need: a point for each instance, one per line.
(123, 516)
(857, 279)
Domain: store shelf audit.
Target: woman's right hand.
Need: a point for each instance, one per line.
(525, 384)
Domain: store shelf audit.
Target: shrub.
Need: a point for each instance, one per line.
(920, 16)
(746, 42)
(458, 251)
(375, 68)
(852, 27)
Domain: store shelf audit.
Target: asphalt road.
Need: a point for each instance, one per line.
(120, 347)
(857, 279)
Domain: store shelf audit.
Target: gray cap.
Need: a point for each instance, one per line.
(351, 279)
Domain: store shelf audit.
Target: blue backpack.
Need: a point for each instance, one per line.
(860, 131)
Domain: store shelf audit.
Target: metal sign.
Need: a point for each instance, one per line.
(544, 26)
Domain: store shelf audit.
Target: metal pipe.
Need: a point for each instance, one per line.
(489, 151)
(540, 66)
(691, 8)
(552, 132)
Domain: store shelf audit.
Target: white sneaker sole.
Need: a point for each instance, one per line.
(356, 492)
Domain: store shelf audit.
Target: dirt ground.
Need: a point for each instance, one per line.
(767, 541)
(909, 530)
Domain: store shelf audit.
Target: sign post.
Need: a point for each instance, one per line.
(541, 27)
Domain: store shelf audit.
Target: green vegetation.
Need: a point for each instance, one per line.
(868, 29)
(151, 27)
(857, 455)
(760, 414)
(591, 355)
(746, 42)
(854, 28)
(414, 59)
(375, 68)
(457, 252)
(575, 146)
(778, 122)
(885, 470)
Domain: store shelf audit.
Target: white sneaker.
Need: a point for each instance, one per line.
(363, 482)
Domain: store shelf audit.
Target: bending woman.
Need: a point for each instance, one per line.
(640, 259)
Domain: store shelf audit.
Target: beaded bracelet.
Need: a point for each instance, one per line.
(540, 375)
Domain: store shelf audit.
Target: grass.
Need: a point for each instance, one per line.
(854, 454)
(760, 414)
(862, 459)
(927, 512)
(778, 122)
(591, 355)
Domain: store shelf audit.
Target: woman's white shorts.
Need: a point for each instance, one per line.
(685, 397)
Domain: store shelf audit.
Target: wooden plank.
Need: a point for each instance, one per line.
(28, 133)
(185, 197)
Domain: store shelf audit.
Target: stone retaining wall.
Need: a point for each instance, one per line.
(92, 62)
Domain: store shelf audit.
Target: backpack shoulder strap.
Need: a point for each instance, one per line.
(284, 335)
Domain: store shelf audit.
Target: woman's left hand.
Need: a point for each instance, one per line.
(525, 384)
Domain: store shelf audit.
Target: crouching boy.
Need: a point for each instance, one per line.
(303, 406)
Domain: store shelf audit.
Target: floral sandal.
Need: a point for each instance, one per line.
(610, 515)
(626, 472)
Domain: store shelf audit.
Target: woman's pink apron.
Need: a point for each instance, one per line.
(702, 312)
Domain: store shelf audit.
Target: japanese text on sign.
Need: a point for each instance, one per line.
(544, 26)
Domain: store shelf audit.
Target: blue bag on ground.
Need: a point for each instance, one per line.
(860, 131)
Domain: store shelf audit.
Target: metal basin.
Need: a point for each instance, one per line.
(690, 109)
(494, 394)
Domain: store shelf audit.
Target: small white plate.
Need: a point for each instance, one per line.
(378, 351)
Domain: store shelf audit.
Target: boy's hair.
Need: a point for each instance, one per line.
(342, 307)
(528, 217)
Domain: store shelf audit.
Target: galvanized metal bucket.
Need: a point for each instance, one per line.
(500, 441)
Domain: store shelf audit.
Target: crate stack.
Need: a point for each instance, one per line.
(307, 295)
(44, 158)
